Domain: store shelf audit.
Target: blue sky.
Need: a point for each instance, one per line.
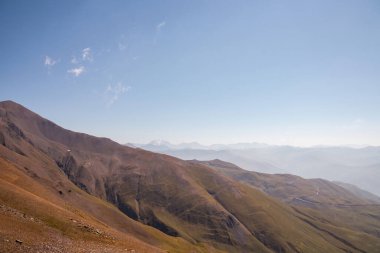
(280, 72)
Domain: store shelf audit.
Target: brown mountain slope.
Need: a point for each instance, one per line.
(44, 222)
(359, 192)
(331, 207)
(32, 185)
(290, 188)
(196, 206)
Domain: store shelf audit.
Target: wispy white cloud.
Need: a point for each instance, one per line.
(113, 92)
(159, 26)
(76, 71)
(74, 60)
(49, 62)
(122, 46)
(122, 43)
(87, 54)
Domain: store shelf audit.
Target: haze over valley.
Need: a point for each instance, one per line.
(356, 165)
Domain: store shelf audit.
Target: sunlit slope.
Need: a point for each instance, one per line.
(329, 208)
(290, 188)
(33, 186)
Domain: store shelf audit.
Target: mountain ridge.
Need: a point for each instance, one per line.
(357, 166)
(186, 204)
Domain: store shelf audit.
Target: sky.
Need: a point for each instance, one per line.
(298, 73)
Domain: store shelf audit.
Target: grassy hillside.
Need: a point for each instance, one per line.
(321, 204)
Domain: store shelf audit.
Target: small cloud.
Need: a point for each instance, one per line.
(122, 46)
(49, 62)
(76, 71)
(74, 60)
(113, 92)
(160, 26)
(87, 54)
(122, 43)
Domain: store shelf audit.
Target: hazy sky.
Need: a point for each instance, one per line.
(282, 72)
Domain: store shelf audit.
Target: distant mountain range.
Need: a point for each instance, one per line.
(162, 145)
(359, 166)
(64, 191)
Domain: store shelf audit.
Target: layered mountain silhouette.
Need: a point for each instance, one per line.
(63, 191)
(355, 165)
